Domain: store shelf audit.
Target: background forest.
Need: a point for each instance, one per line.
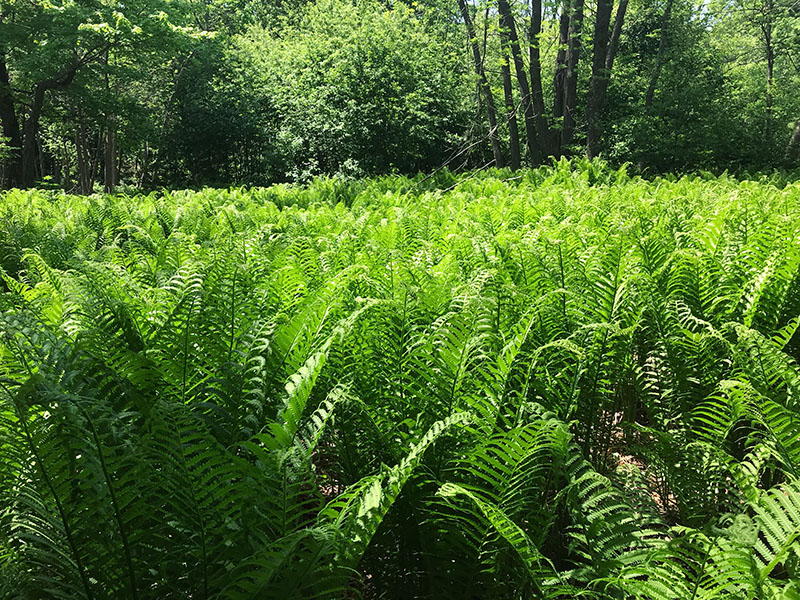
(178, 93)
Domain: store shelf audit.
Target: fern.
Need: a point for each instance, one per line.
(565, 383)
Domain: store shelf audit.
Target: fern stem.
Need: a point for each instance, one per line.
(701, 571)
(197, 509)
(186, 349)
(114, 503)
(59, 506)
(233, 314)
(563, 288)
(402, 349)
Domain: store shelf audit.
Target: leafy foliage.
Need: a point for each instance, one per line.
(570, 383)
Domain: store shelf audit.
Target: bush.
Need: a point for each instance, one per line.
(339, 89)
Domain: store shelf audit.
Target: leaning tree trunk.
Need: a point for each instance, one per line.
(507, 23)
(571, 78)
(486, 91)
(660, 57)
(559, 77)
(614, 42)
(511, 109)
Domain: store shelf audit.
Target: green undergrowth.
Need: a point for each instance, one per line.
(560, 383)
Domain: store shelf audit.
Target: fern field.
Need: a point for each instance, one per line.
(569, 384)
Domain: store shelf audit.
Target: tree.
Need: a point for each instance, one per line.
(46, 47)
(508, 95)
(509, 28)
(483, 83)
(793, 147)
(555, 137)
(605, 51)
(338, 89)
(660, 57)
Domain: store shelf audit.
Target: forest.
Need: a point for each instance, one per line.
(96, 94)
(448, 299)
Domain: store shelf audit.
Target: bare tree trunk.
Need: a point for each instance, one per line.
(507, 23)
(499, 161)
(615, 33)
(8, 117)
(571, 79)
(81, 153)
(793, 149)
(94, 169)
(144, 164)
(559, 77)
(88, 159)
(30, 131)
(770, 51)
(660, 57)
(110, 166)
(120, 163)
(599, 85)
(110, 158)
(65, 164)
(546, 135)
(511, 109)
(596, 98)
(40, 154)
(31, 128)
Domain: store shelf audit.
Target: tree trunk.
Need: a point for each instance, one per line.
(94, 168)
(614, 42)
(507, 23)
(596, 98)
(10, 123)
(110, 166)
(40, 153)
(110, 155)
(65, 164)
(660, 57)
(143, 173)
(599, 93)
(82, 162)
(511, 109)
(770, 51)
(793, 149)
(31, 128)
(120, 164)
(561, 61)
(547, 137)
(88, 160)
(499, 161)
(571, 78)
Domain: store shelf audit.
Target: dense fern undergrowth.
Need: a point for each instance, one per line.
(565, 384)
